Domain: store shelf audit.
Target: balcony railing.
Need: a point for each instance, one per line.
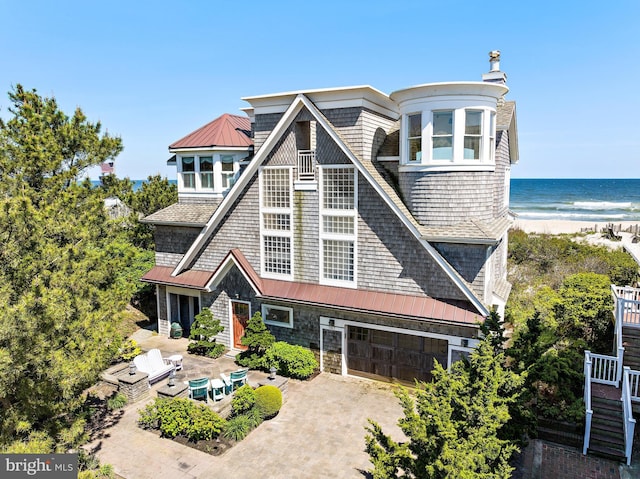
(306, 165)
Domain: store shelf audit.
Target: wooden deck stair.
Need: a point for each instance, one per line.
(631, 343)
(607, 430)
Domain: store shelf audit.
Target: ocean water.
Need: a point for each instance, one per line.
(576, 199)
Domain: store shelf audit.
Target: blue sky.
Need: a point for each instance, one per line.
(152, 72)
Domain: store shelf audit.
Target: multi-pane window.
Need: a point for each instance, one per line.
(472, 134)
(442, 137)
(227, 171)
(338, 225)
(414, 139)
(188, 172)
(338, 260)
(206, 172)
(276, 228)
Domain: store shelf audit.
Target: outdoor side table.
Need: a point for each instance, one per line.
(217, 389)
(176, 360)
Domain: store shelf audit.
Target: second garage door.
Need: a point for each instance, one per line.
(393, 356)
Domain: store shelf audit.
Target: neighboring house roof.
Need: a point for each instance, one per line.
(188, 279)
(226, 130)
(415, 307)
(183, 214)
(366, 168)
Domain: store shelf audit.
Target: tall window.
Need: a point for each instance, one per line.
(188, 172)
(276, 221)
(338, 225)
(227, 171)
(472, 134)
(442, 135)
(414, 139)
(206, 172)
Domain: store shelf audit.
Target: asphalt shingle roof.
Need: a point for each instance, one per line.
(193, 214)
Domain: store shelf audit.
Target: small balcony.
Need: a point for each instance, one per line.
(306, 170)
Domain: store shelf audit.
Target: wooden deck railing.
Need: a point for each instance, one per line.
(306, 165)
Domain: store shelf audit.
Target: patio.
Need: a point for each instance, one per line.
(319, 431)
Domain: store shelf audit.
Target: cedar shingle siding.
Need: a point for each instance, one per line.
(172, 242)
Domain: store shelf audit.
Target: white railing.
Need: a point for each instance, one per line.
(306, 165)
(587, 401)
(629, 421)
(627, 304)
(634, 385)
(604, 369)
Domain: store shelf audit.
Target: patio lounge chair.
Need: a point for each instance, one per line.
(153, 364)
(199, 388)
(236, 378)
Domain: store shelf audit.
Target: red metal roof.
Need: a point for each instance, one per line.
(420, 307)
(372, 302)
(226, 130)
(189, 279)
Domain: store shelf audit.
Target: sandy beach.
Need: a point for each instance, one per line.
(555, 227)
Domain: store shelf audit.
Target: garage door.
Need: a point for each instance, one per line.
(392, 356)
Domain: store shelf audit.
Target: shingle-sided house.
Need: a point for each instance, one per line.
(371, 228)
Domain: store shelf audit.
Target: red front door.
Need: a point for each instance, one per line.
(240, 313)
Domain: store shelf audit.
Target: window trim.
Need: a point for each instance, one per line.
(264, 311)
(322, 235)
(264, 232)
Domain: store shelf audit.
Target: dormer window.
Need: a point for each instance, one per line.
(442, 139)
(450, 138)
(188, 172)
(414, 140)
(227, 171)
(206, 172)
(472, 134)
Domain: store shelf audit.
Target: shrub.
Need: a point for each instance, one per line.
(116, 401)
(291, 360)
(254, 415)
(237, 428)
(181, 417)
(268, 400)
(205, 424)
(129, 350)
(243, 400)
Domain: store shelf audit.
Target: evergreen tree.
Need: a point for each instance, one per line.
(258, 339)
(62, 287)
(453, 424)
(493, 329)
(203, 332)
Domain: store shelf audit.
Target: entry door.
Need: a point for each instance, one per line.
(240, 316)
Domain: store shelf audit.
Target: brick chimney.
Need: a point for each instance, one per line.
(495, 75)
